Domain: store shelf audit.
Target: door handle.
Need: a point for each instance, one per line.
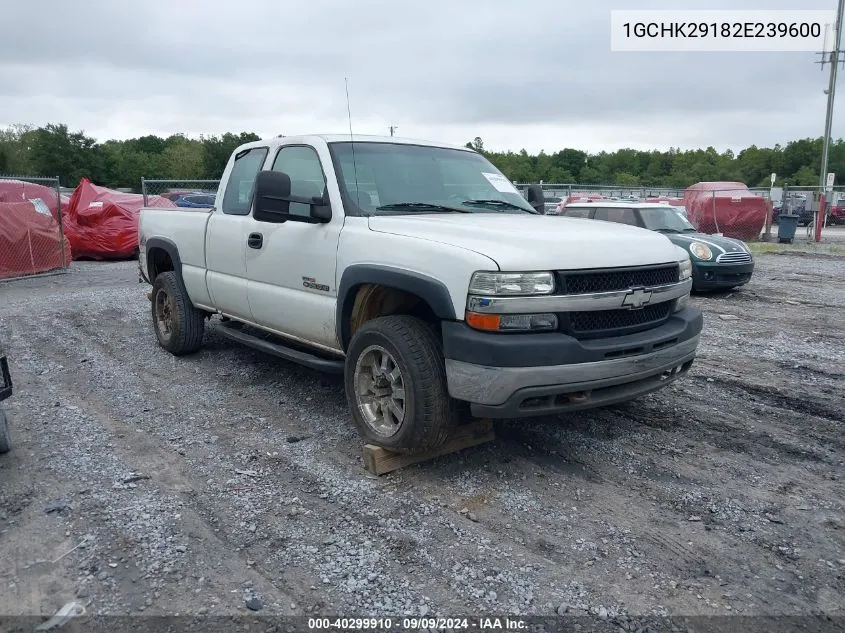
(255, 240)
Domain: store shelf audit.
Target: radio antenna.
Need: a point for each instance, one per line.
(352, 141)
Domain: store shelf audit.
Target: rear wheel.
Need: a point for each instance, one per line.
(395, 383)
(5, 435)
(178, 325)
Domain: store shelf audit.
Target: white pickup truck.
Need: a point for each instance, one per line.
(419, 272)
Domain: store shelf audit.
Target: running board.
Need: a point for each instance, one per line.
(232, 330)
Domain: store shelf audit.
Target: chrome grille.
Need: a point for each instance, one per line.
(736, 257)
(606, 323)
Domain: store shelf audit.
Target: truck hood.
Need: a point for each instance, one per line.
(536, 242)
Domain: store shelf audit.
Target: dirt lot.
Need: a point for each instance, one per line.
(142, 483)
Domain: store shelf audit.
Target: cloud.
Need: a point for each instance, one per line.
(534, 75)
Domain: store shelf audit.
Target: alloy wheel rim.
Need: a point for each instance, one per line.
(380, 391)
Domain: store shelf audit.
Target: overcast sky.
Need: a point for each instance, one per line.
(535, 74)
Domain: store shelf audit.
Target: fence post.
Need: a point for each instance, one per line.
(767, 227)
(61, 221)
(770, 209)
(820, 217)
(713, 208)
(144, 190)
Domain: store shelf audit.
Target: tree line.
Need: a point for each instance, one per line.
(54, 150)
(797, 163)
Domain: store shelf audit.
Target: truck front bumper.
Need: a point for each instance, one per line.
(525, 375)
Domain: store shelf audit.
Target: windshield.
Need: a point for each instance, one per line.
(394, 178)
(669, 219)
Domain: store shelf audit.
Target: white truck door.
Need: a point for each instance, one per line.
(292, 272)
(226, 236)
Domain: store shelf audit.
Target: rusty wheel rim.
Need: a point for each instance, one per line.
(164, 314)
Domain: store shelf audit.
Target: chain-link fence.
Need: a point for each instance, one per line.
(819, 209)
(751, 214)
(565, 190)
(182, 193)
(743, 213)
(737, 212)
(32, 229)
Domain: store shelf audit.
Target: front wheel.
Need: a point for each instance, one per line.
(5, 435)
(178, 324)
(395, 382)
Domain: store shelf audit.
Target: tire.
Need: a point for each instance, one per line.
(427, 414)
(5, 435)
(178, 325)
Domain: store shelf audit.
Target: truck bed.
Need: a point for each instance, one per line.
(184, 228)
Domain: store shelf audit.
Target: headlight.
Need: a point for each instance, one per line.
(701, 251)
(506, 284)
(686, 268)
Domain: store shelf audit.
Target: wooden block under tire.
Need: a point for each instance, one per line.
(379, 460)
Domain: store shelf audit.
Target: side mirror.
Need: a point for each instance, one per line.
(536, 198)
(272, 197)
(321, 208)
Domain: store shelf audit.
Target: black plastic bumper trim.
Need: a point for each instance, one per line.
(462, 343)
(552, 400)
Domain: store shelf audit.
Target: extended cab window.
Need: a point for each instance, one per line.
(576, 212)
(238, 196)
(303, 166)
(620, 215)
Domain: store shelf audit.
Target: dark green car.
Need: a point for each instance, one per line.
(717, 262)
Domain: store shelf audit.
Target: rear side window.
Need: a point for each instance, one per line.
(620, 215)
(238, 196)
(575, 212)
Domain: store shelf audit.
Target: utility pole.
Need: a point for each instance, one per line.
(394, 127)
(834, 62)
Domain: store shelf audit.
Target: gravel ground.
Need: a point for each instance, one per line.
(229, 480)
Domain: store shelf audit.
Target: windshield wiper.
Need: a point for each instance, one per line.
(422, 206)
(665, 230)
(496, 202)
(690, 230)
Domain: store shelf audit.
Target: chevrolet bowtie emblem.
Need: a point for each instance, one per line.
(636, 298)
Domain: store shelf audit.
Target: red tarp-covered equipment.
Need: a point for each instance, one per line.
(729, 208)
(103, 223)
(20, 191)
(30, 239)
